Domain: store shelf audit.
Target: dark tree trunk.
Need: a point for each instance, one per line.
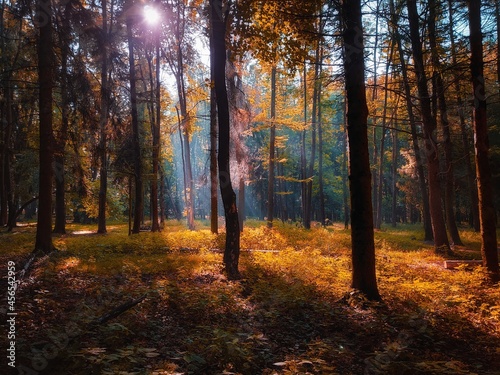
(395, 153)
(60, 143)
(103, 121)
(378, 201)
(441, 243)
(314, 118)
(46, 81)
(155, 131)
(449, 196)
(474, 204)
(428, 234)
(272, 158)
(214, 215)
(218, 35)
(345, 166)
(303, 159)
(487, 213)
(138, 194)
(363, 246)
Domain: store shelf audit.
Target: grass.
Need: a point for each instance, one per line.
(293, 313)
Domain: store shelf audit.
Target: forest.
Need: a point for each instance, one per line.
(250, 186)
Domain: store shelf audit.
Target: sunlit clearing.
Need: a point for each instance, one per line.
(151, 15)
(82, 232)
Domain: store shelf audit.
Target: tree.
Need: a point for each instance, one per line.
(363, 245)
(46, 82)
(103, 121)
(441, 243)
(487, 214)
(219, 18)
(428, 234)
(178, 59)
(136, 145)
(437, 79)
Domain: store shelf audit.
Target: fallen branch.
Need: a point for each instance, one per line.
(119, 310)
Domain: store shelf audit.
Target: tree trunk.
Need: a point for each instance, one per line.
(474, 204)
(449, 197)
(218, 35)
(363, 246)
(322, 212)
(43, 240)
(441, 243)
(60, 143)
(428, 233)
(487, 213)
(272, 158)
(214, 215)
(138, 194)
(395, 153)
(378, 201)
(303, 159)
(345, 166)
(155, 132)
(103, 121)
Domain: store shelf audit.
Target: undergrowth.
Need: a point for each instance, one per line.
(293, 312)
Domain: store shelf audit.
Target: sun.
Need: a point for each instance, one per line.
(151, 15)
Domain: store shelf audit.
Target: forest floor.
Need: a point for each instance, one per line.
(292, 313)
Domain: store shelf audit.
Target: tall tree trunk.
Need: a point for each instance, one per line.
(218, 35)
(487, 213)
(155, 132)
(272, 153)
(322, 212)
(363, 246)
(303, 160)
(186, 144)
(378, 201)
(441, 243)
(314, 118)
(214, 215)
(60, 143)
(474, 204)
(345, 165)
(395, 153)
(449, 197)
(428, 233)
(43, 240)
(103, 122)
(374, 97)
(136, 144)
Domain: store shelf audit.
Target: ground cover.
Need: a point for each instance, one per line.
(292, 313)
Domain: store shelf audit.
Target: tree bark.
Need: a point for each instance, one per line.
(138, 194)
(103, 121)
(474, 204)
(43, 240)
(487, 213)
(449, 196)
(428, 234)
(441, 243)
(155, 132)
(60, 143)
(214, 215)
(363, 246)
(218, 35)
(272, 153)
